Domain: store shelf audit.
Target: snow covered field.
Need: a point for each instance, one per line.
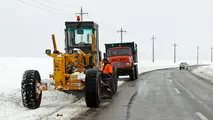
(55, 104)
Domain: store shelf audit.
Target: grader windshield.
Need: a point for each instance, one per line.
(79, 36)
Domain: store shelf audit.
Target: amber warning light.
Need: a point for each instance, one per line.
(78, 18)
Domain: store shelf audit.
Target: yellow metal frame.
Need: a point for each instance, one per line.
(62, 80)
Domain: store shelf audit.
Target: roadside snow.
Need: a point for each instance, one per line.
(55, 104)
(204, 71)
(11, 107)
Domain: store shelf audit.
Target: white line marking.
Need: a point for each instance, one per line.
(201, 116)
(170, 80)
(177, 90)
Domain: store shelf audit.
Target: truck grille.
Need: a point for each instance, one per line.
(120, 64)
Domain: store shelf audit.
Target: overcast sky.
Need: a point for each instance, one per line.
(26, 30)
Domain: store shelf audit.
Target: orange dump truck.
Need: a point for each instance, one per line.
(124, 57)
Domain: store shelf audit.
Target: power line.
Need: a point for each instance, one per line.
(58, 10)
(44, 8)
(89, 17)
(72, 5)
(47, 1)
(35, 6)
(47, 6)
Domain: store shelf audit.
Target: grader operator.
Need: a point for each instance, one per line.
(79, 68)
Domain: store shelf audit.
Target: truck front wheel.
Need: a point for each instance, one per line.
(136, 71)
(132, 74)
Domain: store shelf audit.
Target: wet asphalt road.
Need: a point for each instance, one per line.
(160, 95)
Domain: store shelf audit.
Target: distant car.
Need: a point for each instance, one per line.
(183, 65)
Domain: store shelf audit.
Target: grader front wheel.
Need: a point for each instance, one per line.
(92, 88)
(31, 95)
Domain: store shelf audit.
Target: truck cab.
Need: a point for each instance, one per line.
(120, 57)
(124, 57)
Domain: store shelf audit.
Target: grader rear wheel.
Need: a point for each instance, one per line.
(31, 95)
(92, 88)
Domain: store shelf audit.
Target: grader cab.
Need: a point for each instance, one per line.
(79, 68)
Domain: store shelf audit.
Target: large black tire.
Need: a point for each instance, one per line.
(115, 77)
(136, 71)
(92, 88)
(132, 74)
(30, 98)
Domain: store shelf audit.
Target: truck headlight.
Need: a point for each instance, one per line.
(127, 63)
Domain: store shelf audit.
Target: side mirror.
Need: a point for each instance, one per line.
(100, 57)
(48, 51)
(104, 55)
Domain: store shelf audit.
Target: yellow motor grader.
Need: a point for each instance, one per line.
(78, 69)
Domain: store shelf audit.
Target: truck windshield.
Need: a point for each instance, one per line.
(79, 36)
(118, 51)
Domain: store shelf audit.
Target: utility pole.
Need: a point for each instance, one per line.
(153, 48)
(121, 31)
(175, 45)
(211, 53)
(197, 54)
(81, 13)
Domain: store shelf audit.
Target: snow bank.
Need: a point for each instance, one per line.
(12, 69)
(55, 104)
(204, 71)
